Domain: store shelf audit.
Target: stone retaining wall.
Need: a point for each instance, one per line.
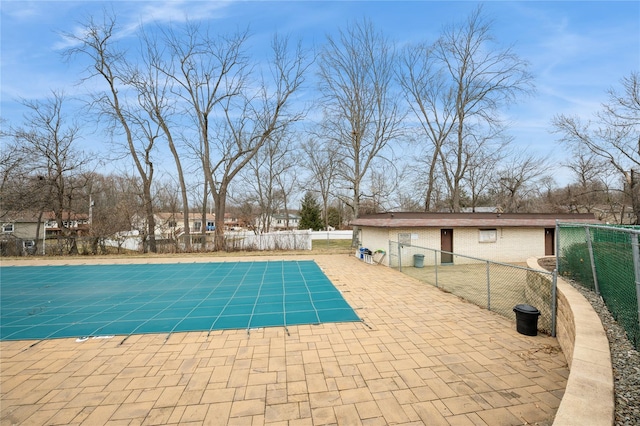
(589, 395)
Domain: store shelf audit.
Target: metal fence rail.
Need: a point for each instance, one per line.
(606, 260)
(495, 286)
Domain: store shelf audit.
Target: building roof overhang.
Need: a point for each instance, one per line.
(469, 220)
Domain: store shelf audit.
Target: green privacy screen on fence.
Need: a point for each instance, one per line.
(601, 258)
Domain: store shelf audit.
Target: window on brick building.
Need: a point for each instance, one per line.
(404, 238)
(488, 235)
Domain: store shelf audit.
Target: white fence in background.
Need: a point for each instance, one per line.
(331, 235)
(283, 240)
(244, 240)
(126, 240)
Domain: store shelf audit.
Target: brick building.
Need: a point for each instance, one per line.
(501, 237)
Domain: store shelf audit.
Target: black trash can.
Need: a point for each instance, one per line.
(527, 319)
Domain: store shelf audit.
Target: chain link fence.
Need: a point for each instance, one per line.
(495, 286)
(605, 259)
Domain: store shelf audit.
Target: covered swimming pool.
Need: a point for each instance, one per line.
(47, 302)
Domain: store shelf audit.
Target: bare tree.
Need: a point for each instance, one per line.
(455, 87)
(15, 173)
(479, 176)
(590, 174)
(247, 214)
(408, 195)
(114, 206)
(213, 75)
(380, 187)
(287, 180)
(154, 90)
(613, 135)
(322, 162)
(430, 98)
(263, 177)
(49, 141)
(362, 115)
(96, 42)
(516, 182)
(207, 71)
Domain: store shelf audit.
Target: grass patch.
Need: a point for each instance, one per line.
(331, 246)
(317, 247)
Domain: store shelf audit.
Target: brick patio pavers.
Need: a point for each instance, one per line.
(421, 356)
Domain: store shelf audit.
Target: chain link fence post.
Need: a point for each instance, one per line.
(554, 301)
(435, 262)
(591, 259)
(488, 286)
(557, 237)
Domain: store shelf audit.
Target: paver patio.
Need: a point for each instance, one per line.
(420, 356)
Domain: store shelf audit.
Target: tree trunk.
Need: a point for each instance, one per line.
(355, 242)
(44, 231)
(432, 181)
(205, 202)
(185, 208)
(73, 249)
(183, 185)
(286, 211)
(220, 204)
(151, 221)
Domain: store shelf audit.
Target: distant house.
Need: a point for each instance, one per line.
(284, 221)
(170, 226)
(23, 229)
(277, 222)
(503, 237)
(78, 222)
(24, 224)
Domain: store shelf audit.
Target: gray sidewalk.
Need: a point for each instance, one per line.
(421, 356)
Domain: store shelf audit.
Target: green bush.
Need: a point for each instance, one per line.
(574, 263)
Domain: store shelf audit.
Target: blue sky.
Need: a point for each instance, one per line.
(577, 49)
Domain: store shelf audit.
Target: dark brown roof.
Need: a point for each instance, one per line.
(32, 216)
(475, 220)
(20, 217)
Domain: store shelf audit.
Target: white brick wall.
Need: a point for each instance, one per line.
(511, 245)
(374, 239)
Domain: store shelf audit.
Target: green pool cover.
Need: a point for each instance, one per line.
(46, 302)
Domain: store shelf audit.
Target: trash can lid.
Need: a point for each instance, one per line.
(527, 309)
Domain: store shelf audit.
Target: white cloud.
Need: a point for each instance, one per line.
(165, 12)
(131, 16)
(20, 10)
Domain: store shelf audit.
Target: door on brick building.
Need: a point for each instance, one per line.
(549, 241)
(446, 244)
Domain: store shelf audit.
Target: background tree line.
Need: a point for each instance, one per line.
(417, 128)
